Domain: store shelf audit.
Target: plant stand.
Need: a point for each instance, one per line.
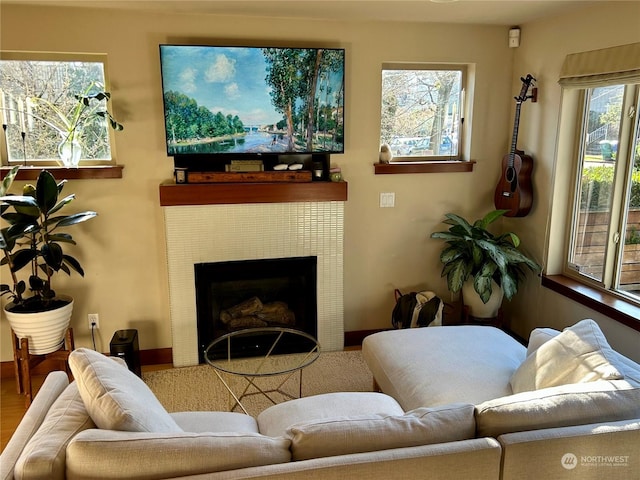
(24, 362)
(497, 321)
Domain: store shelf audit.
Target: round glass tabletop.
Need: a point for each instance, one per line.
(256, 352)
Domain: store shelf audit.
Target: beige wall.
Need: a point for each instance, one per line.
(126, 275)
(545, 44)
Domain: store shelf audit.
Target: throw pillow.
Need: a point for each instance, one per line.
(115, 397)
(579, 354)
(538, 337)
(368, 433)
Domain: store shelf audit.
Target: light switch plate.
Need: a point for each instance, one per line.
(387, 200)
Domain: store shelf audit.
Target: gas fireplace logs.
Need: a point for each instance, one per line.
(252, 313)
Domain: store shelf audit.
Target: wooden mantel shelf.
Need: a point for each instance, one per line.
(172, 194)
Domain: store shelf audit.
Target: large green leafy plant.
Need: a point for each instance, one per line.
(473, 251)
(34, 241)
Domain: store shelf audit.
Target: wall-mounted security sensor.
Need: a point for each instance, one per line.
(514, 37)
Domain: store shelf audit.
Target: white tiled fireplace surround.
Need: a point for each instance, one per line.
(248, 231)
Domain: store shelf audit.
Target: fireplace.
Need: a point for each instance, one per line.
(250, 231)
(235, 295)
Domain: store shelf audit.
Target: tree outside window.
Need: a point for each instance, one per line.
(422, 111)
(44, 102)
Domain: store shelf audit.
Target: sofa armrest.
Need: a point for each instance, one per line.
(589, 452)
(53, 386)
(164, 455)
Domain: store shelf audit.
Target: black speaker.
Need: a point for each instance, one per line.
(124, 344)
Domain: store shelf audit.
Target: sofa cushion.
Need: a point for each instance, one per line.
(275, 420)
(115, 397)
(579, 354)
(367, 433)
(44, 455)
(169, 455)
(426, 367)
(561, 406)
(215, 422)
(626, 366)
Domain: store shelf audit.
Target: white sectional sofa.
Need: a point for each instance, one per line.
(568, 406)
(444, 418)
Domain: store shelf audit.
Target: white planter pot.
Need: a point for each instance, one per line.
(473, 301)
(45, 330)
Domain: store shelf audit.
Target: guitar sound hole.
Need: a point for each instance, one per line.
(510, 174)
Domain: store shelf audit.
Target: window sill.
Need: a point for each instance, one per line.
(598, 300)
(80, 173)
(424, 167)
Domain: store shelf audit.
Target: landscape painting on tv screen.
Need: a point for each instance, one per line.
(249, 100)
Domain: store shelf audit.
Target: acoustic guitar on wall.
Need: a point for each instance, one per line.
(514, 191)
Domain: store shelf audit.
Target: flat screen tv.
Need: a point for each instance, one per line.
(252, 101)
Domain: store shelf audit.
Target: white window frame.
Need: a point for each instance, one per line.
(61, 57)
(621, 185)
(580, 71)
(463, 120)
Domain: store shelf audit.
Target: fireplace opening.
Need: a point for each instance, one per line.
(236, 295)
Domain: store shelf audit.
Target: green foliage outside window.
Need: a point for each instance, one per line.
(597, 184)
(633, 237)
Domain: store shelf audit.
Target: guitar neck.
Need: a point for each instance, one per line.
(514, 138)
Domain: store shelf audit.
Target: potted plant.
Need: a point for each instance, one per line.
(33, 243)
(71, 120)
(482, 264)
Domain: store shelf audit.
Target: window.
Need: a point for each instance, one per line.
(603, 234)
(53, 109)
(604, 247)
(422, 112)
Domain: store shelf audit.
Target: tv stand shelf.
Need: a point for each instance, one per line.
(172, 194)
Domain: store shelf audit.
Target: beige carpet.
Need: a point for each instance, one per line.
(198, 388)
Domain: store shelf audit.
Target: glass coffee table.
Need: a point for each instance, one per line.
(255, 353)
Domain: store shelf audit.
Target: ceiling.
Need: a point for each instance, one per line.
(496, 12)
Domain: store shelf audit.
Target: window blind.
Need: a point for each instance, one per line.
(613, 65)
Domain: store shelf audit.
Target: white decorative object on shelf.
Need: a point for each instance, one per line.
(70, 152)
(385, 153)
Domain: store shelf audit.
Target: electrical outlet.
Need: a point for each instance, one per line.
(94, 320)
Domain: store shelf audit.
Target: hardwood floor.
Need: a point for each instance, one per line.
(12, 406)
